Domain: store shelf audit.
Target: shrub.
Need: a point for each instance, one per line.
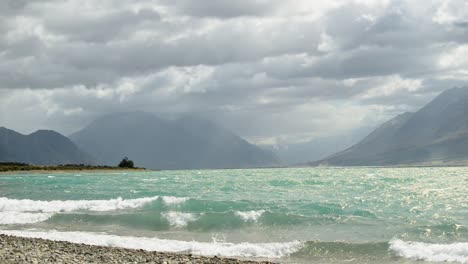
(126, 163)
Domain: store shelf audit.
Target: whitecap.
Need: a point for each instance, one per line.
(455, 252)
(11, 218)
(245, 249)
(173, 200)
(179, 219)
(27, 205)
(150, 180)
(252, 216)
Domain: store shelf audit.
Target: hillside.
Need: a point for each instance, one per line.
(436, 134)
(318, 148)
(43, 147)
(153, 142)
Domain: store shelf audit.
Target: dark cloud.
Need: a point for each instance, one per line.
(115, 25)
(222, 8)
(292, 70)
(13, 7)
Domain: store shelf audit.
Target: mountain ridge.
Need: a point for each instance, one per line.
(435, 134)
(154, 142)
(42, 147)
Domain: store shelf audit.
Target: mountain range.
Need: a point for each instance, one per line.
(152, 142)
(318, 148)
(43, 147)
(437, 134)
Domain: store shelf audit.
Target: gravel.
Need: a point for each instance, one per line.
(35, 250)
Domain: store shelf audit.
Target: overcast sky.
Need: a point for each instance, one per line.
(271, 71)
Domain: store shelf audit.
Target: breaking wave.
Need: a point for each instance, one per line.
(56, 206)
(455, 252)
(250, 215)
(179, 219)
(173, 200)
(25, 211)
(10, 218)
(252, 250)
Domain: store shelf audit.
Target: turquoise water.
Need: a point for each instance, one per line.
(320, 215)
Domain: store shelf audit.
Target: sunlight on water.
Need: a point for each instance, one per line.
(330, 215)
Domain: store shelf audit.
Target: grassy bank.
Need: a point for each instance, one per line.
(15, 166)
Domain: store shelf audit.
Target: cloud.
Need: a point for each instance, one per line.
(285, 70)
(102, 27)
(222, 8)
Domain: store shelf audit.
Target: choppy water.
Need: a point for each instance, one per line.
(320, 215)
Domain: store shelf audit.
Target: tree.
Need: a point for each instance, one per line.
(126, 163)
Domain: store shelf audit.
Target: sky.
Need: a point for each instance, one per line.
(274, 72)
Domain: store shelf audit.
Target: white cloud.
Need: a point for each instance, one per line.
(250, 65)
(454, 58)
(451, 11)
(392, 85)
(326, 43)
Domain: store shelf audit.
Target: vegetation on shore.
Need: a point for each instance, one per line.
(16, 166)
(126, 163)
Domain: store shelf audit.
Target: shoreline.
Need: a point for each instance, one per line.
(15, 249)
(58, 171)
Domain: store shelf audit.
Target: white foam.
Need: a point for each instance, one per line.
(151, 180)
(253, 250)
(179, 219)
(10, 218)
(50, 177)
(26, 205)
(455, 252)
(252, 216)
(173, 200)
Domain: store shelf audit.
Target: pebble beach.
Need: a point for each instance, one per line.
(35, 250)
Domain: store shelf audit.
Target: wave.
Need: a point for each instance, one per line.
(56, 206)
(250, 215)
(455, 252)
(169, 200)
(25, 211)
(160, 218)
(10, 218)
(251, 250)
(179, 219)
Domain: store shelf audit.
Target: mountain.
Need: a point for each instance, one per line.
(153, 142)
(43, 147)
(436, 134)
(316, 149)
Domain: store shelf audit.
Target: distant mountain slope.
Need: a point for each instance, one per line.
(316, 149)
(152, 142)
(436, 134)
(43, 147)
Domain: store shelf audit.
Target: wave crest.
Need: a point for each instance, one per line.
(56, 206)
(170, 200)
(455, 252)
(179, 219)
(11, 218)
(252, 250)
(252, 216)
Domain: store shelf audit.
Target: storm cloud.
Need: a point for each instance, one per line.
(271, 71)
